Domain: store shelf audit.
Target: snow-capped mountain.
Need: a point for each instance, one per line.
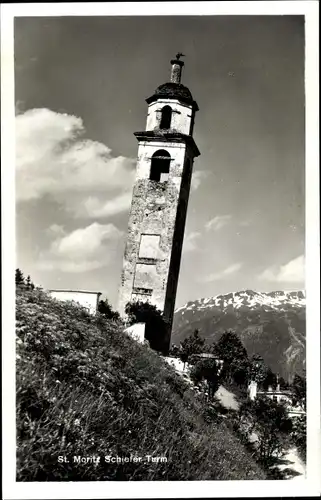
(248, 298)
(270, 324)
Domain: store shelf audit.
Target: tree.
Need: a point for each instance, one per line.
(20, 280)
(236, 364)
(156, 328)
(140, 312)
(191, 345)
(270, 424)
(299, 390)
(230, 347)
(174, 351)
(29, 283)
(105, 309)
(209, 370)
(258, 369)
(283, 384)
(239, 370)
(270, 379)
(299, 433)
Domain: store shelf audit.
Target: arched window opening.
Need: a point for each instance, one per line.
(159, 170)
(166, 117)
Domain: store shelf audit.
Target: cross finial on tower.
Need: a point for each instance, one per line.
(179, 55)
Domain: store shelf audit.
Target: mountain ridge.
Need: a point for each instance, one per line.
(278, 293)
(271, 324)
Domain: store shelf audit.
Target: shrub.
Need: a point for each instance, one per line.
(105, 309)
(156, 328)
(209, 370)
(299, 434)
(174, 351)
(299, 391)
(267, 420)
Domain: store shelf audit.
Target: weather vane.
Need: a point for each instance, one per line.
(179, 55)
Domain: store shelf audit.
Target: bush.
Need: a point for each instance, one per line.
(105, 309)
(267, 420)
(299, 391)
(209, 370)
(86, 389)
(299, 434)
(174, 351)
(156, 328)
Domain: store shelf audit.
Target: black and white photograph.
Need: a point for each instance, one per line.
(162, 180)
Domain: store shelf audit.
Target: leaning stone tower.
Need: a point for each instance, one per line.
(166, 151)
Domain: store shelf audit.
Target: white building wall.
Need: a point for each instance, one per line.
(145, 152)
(137, 332)
(181, 115)
(252, 390)
(89, 300)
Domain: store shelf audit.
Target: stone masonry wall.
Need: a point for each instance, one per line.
(178, 238)
(153, 211)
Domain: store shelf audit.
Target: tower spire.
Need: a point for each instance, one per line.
(177, 66)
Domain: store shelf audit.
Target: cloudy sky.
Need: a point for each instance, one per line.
(81, 85)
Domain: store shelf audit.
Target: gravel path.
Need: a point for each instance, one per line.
(292, 465)
(227, 398)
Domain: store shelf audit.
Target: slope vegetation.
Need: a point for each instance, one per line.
(85, 389)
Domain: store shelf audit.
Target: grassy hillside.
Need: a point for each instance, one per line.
(84, 388)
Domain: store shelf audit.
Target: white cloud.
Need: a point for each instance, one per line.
(95, 207)
(292, 272)
(217, 222)
(190, 241)
(68, 266)
(232, 269)
(53, 159)
(197, 179)
(82, 250)
(55, 229)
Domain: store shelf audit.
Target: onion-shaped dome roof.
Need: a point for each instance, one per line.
(174, 90)
(171, 90)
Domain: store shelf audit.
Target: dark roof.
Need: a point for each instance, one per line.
(206, 355)
(167, 135)
(74, 291)
(171, 90)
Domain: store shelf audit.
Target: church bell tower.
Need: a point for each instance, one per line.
(166, 151)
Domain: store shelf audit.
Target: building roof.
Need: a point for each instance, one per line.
(75, 291)
(284, 392)
(171, 90)
(168, 136)
(206, 355)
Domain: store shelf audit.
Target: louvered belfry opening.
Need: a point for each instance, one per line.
(160, 165)
(166, 118)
